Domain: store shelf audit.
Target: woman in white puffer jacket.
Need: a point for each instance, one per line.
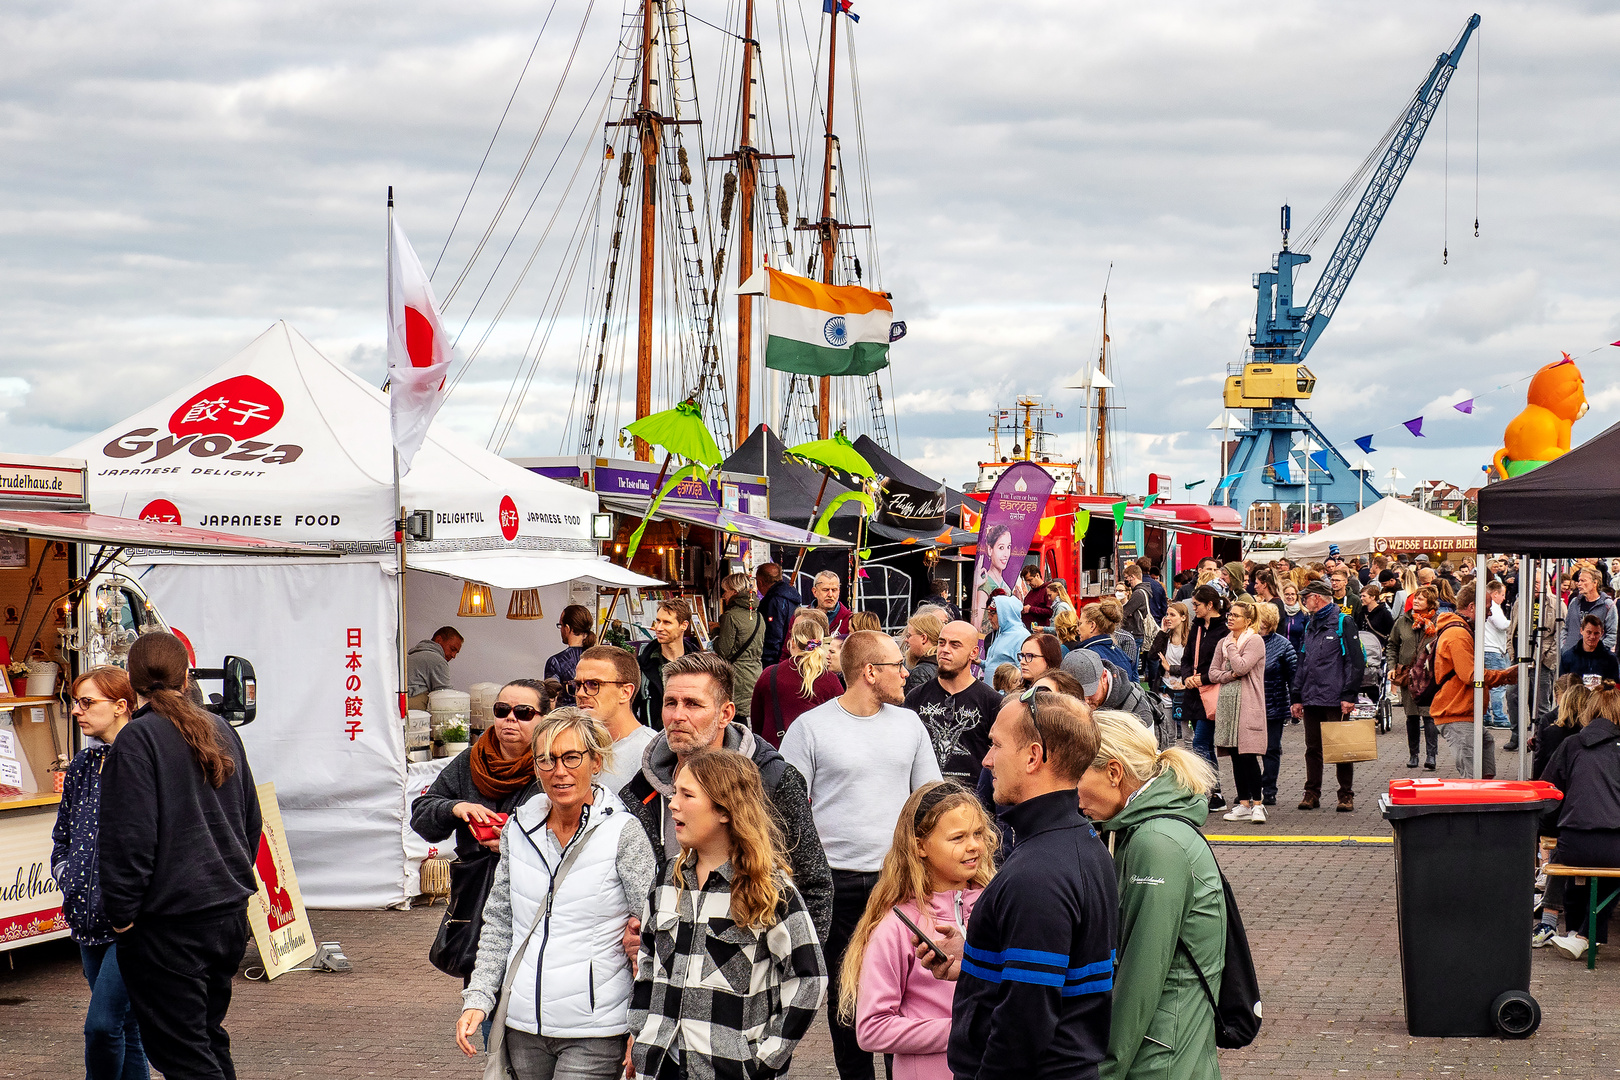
(575, 866)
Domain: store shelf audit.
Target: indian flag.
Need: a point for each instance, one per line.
(817, 329)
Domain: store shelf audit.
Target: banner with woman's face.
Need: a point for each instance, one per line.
(1011, 515)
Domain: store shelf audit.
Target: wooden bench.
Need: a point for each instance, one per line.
(1593, 904)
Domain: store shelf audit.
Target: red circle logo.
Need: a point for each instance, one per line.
(162, 511)
(241, 407)
(509, 518)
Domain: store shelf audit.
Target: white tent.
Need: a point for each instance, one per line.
(282, 443)
(1387, 527)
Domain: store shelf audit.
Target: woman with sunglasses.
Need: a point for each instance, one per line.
(103, 702)
(575, 867)
(484, 783)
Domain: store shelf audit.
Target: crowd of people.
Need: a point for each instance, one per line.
(670, 860)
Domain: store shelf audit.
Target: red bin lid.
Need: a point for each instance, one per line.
(1455, 792)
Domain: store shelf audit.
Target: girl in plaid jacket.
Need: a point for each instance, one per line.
(730, 972)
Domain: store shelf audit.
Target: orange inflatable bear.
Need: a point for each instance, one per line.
(1556, 399)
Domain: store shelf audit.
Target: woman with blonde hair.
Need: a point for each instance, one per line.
(575, 866)
(1066, 625)
(1097, 624)
(727, 894)
(1239, 669)
(1150, 804)
(1059, 594)
(922, 648)
(942, 857)
(804, 679)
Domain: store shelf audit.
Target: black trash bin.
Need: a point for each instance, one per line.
(1465, 874)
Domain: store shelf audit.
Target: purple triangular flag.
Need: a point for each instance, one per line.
(1365, 442)
(1414, 425)
(1465, 406)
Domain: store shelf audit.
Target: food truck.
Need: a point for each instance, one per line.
(67, 604)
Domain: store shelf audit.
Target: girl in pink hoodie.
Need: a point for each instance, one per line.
(942, 857)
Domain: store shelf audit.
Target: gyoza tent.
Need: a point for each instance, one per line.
(282, 443)
(1387, 527)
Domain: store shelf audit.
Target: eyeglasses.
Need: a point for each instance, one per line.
(1030, 697)
(592, 687)
(523, 712)
(571, 760)
(886, 663)
(1030, 656)
(84, 703)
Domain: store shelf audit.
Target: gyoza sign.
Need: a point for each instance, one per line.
(222, 421)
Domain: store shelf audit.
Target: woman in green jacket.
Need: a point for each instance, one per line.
(1149, 804)
(739, 637)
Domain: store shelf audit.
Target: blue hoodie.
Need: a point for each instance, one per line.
(1004, 646)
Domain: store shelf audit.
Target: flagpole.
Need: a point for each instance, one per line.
(399, 502)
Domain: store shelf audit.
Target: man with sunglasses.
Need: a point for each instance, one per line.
(861, 755)
(606, 680)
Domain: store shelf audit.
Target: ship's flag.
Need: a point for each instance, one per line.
(830, 6)
(418, 351)
(816, 329)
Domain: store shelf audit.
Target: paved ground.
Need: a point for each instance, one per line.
(1321, 919)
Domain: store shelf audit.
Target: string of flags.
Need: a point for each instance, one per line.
(1285, 469)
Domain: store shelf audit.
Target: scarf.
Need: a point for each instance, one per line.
(1292, 609)
(496, 777)
(1424, 624)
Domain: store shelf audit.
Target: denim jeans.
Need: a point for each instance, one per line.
(1497, 715)
(1204, 746)
(1273, 759)
(112, 1038)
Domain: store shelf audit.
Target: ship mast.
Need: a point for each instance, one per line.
(647, 122)
(747, 182)
(829, 222)
(1102, 405)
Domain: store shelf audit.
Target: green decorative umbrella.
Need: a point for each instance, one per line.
(834, 453)
(678, 431)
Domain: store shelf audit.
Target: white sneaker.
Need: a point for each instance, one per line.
(1239, 813)
(1572, 946)
(1258, 817)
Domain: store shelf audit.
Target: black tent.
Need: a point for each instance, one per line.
(911, 506)
(1570, 507)
(793, 485)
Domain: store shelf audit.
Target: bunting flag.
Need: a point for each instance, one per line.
(1319, 458)
(1227, 481)
(1466, 405)
(1189, 487)
(1414, 425)
(1119, 515)
(1082, 524)
(1284, 470)
(1365, 443)
(1149, 500)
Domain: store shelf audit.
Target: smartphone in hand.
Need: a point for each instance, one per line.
(922, 938)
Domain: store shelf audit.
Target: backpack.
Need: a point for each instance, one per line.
(1148, 624)
(1237, 1007)
(1420, 681)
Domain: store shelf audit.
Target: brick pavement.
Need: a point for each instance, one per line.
(1321, 920)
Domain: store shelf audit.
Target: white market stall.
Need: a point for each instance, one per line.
(282, 443)
(1387, 527)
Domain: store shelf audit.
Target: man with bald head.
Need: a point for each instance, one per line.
(956, 708)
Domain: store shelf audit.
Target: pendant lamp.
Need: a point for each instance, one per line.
(476, 600)
(525, 605)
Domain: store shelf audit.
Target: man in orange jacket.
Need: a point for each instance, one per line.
(1454, 698)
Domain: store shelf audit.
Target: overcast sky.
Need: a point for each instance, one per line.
(178, 176)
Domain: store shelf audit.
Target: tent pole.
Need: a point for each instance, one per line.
(399, 501)
(1526, 648)
(1480, 604)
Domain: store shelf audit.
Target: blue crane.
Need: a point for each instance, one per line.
(1282, 457)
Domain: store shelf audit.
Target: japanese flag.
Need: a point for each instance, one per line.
(418, 351)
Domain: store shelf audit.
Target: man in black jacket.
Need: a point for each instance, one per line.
(1589, 656)
(697, 713)
(777, 602)
(1035, 977)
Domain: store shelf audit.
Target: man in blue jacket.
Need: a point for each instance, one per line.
(1327, 682)
(1035, 978)
(777, 602)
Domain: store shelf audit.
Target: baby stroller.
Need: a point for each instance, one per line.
(1375, 682)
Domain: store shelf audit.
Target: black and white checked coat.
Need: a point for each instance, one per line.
(732, 1002)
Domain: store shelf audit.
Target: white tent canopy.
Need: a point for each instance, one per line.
(281, 442)
(1387, 527)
